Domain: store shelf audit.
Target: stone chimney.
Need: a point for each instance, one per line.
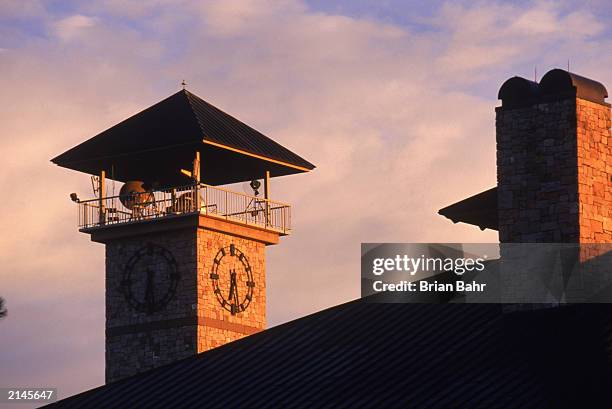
(554, 170)
(554, 160)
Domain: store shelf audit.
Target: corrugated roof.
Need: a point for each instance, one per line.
(151, 144)
(391, 355)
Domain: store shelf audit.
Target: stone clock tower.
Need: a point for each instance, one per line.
(185, 258)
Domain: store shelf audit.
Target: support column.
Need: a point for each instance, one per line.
(196, 177)
(102, 193)
(267, 196)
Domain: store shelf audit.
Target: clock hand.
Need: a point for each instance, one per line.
(236, 302)
(233, 294)
(232, 283)
(150, 290)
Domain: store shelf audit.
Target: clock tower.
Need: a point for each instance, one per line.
(185, 255)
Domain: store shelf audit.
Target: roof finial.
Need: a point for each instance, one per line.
(183, 84)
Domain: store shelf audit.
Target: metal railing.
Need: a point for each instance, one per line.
(203, 199)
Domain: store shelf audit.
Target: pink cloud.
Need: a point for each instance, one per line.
(70, 27)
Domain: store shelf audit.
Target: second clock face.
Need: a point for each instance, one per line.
(232, 279)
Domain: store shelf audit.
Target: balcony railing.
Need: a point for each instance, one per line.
(203, 199)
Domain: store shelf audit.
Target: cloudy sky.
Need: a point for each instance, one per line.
(393, 101)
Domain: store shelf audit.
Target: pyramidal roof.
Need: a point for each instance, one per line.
(152, 143)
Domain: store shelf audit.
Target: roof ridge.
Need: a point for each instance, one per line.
(188, 95)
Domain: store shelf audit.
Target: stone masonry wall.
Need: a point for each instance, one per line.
(594, 172)
(192, 321)
(137, 340)
(220, 326)
(537, 173)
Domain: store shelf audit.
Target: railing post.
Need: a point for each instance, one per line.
(197, 201)
(173, 204)
(205, 205)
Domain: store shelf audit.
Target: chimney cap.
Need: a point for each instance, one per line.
(517, 92)
(562, 83)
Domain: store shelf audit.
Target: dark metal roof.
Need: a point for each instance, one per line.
(391, 355)
(517, 91)
(156, 143)
(480, 210)
(559, 82)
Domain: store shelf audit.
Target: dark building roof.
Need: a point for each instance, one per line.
(362, 354)
(480, 210)
(155, 143)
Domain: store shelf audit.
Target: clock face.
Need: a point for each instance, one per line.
(150, 279)
(232, 279)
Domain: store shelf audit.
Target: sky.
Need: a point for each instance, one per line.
(393, 101)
